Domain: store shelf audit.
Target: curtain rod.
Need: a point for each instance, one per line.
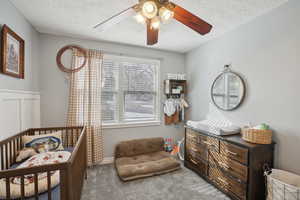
(131, 55)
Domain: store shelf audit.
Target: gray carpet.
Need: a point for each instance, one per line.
(104, 184)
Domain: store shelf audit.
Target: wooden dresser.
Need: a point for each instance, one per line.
(229, 163)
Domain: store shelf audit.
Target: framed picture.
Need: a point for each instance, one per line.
(12, 55)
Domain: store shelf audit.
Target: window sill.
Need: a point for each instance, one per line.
(131, 125)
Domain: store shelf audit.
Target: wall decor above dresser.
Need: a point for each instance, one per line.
(228, 90)
(229, 163)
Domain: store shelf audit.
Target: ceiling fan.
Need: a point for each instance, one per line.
(153, 13)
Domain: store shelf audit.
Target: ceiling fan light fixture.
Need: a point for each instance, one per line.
(155, 23)
(165, 14)
(140, 18)
(149, 9)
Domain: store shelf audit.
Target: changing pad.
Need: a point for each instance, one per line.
(216, 127)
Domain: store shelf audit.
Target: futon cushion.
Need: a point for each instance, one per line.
(138, 147)
(145, 165)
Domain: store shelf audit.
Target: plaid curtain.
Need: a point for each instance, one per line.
(85, 102)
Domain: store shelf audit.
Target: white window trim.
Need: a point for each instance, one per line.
(131, 124)
(153, 122)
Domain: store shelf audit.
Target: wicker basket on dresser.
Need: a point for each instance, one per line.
(229, 163)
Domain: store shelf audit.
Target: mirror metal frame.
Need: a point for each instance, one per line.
(227, 70)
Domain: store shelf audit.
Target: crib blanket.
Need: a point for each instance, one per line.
(37, 160)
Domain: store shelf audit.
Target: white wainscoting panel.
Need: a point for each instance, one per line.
(19, 110)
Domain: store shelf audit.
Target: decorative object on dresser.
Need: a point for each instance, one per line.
(13, 47)
(228, 90)
(257, 135)
(228, 162)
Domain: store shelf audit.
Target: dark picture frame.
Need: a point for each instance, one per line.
(12, 53)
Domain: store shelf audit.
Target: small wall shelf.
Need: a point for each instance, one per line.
(175, 87)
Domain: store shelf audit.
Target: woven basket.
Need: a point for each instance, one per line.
(257, 136)
(283, 185)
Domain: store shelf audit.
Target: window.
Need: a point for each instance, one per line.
(130, 93)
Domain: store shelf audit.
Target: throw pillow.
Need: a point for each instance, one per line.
(44, 143)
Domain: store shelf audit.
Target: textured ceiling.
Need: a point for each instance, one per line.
(76, 18)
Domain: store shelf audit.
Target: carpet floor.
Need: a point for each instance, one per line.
(103, 183)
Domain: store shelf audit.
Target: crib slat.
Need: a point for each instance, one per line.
(2, 158)
(93, 143)
(49, 185)
(10, 153)
(17, 144)
(14, 150)
(7, 189)
(67, 138)
(6, 156)
(20, 143)
(36, 186)
(77, 135)
(22, 188)
(72, 138)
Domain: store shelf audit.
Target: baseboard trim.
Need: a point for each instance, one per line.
(107, 160)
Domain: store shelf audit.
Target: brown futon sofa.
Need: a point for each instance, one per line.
(143, 158)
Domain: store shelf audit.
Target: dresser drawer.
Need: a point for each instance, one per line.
(230, 186)
(197, 164)
(210, 143)
(234, 168)
(197, 151)
(234, 152)
(192, 136)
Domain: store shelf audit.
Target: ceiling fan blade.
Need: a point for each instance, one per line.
(152, 34)
(117, 18)
(191, 20)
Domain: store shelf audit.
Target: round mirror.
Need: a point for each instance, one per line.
(228, 91)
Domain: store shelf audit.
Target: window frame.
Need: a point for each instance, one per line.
(120, 122)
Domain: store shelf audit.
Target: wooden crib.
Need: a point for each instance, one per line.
(72, 172)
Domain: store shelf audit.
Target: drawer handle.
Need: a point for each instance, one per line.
(224, 165)
(193, 161)
(207, 143)
(222, 180)
(193, 149)
(210, 145)
(232, 153)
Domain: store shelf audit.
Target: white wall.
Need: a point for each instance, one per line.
(55, 87)
(10, 15)
(20, 111)
(266, 52)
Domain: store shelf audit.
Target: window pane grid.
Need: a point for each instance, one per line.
(129, 91)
